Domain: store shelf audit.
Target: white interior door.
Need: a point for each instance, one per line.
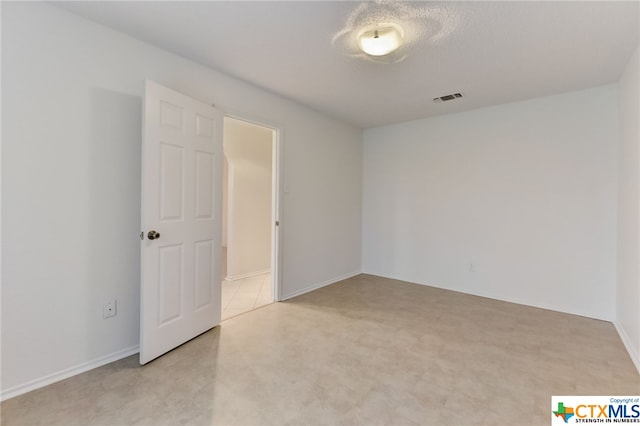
(181, 220)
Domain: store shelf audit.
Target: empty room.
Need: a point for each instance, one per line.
(449, 219)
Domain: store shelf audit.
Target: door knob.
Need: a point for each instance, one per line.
(153, 235)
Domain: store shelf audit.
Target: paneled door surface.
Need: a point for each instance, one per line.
(181, 220)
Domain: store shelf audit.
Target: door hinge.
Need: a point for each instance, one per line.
(142, 235)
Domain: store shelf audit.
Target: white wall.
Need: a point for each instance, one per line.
(628, 290)
(525, 191)
(71, 127)
(248, 149)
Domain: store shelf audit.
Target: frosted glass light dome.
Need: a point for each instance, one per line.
(381, 41)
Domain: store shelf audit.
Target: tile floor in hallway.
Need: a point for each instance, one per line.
(244, 295)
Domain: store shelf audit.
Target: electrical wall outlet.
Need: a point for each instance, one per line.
(109, 309)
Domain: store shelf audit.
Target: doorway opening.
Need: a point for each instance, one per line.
(249, 218)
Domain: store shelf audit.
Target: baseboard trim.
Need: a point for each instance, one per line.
(319, 285)
(249, 275)
(66, 373)
(635, 357)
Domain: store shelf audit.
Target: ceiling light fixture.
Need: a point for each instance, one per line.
(381, 41)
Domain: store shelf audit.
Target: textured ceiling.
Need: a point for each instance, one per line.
(492, 52)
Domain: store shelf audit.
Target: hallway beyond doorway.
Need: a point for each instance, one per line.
(249, 237)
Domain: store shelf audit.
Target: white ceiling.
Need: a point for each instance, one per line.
(492, 52)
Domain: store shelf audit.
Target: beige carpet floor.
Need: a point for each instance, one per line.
(365, 351)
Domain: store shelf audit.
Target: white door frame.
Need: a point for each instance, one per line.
(276, 202)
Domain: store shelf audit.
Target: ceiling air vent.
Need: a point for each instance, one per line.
(448, 97)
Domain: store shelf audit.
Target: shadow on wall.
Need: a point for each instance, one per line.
(114, 168)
